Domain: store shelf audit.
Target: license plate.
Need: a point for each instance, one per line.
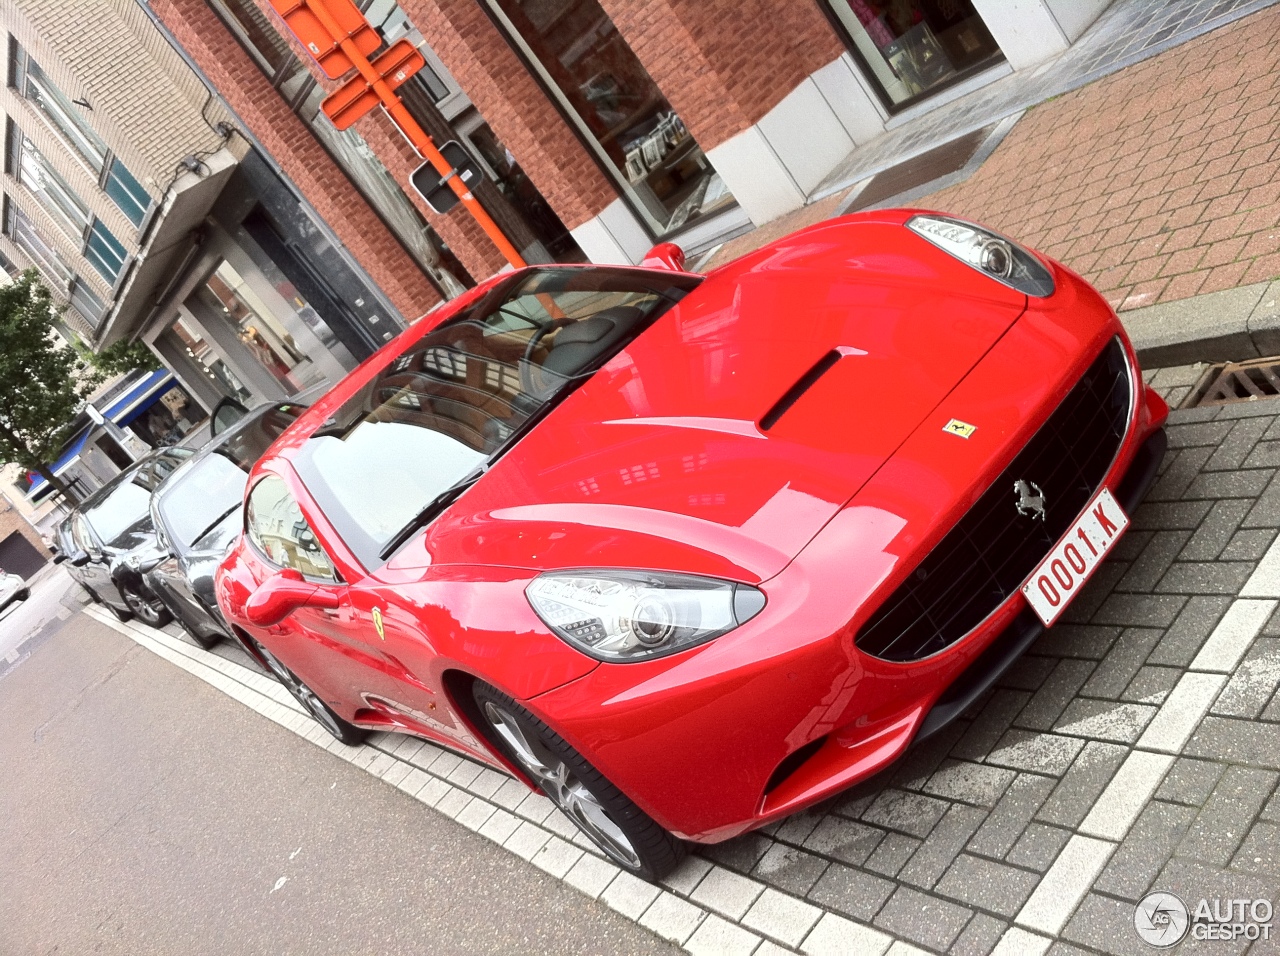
(1077, 555)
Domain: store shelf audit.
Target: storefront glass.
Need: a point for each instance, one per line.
(913, 46)
(598, 80)
(262, 334)
(191, 343)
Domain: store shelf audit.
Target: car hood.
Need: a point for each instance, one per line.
(725, 436)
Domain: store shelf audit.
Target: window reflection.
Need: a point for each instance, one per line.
(578, 50)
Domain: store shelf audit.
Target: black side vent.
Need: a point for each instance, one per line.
(792, 762)
(793, 394)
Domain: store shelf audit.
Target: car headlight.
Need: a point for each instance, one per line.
(638, 615)
(988, 252)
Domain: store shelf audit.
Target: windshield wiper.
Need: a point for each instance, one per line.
(433, 508)
(221, 518)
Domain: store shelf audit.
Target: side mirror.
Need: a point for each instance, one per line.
(665, 255)
(282, 594)
(79, 559)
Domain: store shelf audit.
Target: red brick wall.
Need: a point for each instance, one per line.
(521, 115)
(464, 236)
(242, 84)
(723, 64)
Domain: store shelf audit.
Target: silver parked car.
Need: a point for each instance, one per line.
(12, 588)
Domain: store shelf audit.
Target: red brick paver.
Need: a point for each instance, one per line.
(1157, 183)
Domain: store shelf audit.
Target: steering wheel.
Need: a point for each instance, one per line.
(526, 363)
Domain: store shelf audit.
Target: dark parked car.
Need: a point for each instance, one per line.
(109, 542)
(196, 514)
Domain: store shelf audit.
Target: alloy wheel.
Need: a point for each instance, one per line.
(558, 781)
(148, 612)
(303, 694)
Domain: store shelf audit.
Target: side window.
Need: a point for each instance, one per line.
(81, 536)
(276, 526)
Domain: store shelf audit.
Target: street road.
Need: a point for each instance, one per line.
(141, 811)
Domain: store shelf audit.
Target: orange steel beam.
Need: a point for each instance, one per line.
(416, 135)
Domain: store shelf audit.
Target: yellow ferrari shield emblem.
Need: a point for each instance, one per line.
(377, 623)
(957, 427)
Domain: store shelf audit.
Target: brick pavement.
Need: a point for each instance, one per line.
(1158, 182)
(1136, 746)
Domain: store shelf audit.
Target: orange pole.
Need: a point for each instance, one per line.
(416, 135)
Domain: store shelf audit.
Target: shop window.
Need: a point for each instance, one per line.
(912, 47)
(264, 337)
(104, 251)
(190, 342)
(576, 50)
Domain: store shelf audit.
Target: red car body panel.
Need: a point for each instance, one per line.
(659, 462)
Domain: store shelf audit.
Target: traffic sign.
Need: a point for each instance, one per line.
(356, 97)
(320, 41)
(434, 187)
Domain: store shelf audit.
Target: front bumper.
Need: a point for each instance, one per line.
(785, 711)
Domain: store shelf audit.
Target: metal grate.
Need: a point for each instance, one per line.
(992, 549)
(1236, 382)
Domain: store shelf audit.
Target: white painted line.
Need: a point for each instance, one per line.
(1064, 886)
(783, 917)
(672, 918)
(1018, 942)
(1127, 793)
(1181, 712)
(719, 937)
(837, 936)
(1233, 636)
(1265, 580)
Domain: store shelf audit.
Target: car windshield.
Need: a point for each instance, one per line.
(463, 393)
(204, 492)
(125, 504)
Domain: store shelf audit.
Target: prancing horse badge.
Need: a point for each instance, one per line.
(377, 623)
(959, 428)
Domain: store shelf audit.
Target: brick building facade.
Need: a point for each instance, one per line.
(634, 121)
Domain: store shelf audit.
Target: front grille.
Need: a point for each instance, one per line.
(992, 549)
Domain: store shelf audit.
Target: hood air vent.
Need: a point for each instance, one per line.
(806, 382)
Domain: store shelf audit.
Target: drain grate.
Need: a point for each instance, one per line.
(1236, 382)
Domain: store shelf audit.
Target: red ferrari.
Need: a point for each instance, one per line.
(690, 553)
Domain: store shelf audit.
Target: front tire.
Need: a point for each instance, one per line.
(626, 834)
(324, 715)
(150, 611)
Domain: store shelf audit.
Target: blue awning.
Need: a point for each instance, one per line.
(139, 398)
(69, 454)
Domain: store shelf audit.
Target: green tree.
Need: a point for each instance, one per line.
(42, 384)
(124, 356)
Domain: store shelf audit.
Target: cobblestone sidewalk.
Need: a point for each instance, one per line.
(1135, 747)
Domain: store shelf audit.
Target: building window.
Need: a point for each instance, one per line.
(912, 47)
(85, 302)
(63, 115)
(66, 121)
(21, 230)
(126, 192)
(622, 115)
(104, 252)
(31, 169)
